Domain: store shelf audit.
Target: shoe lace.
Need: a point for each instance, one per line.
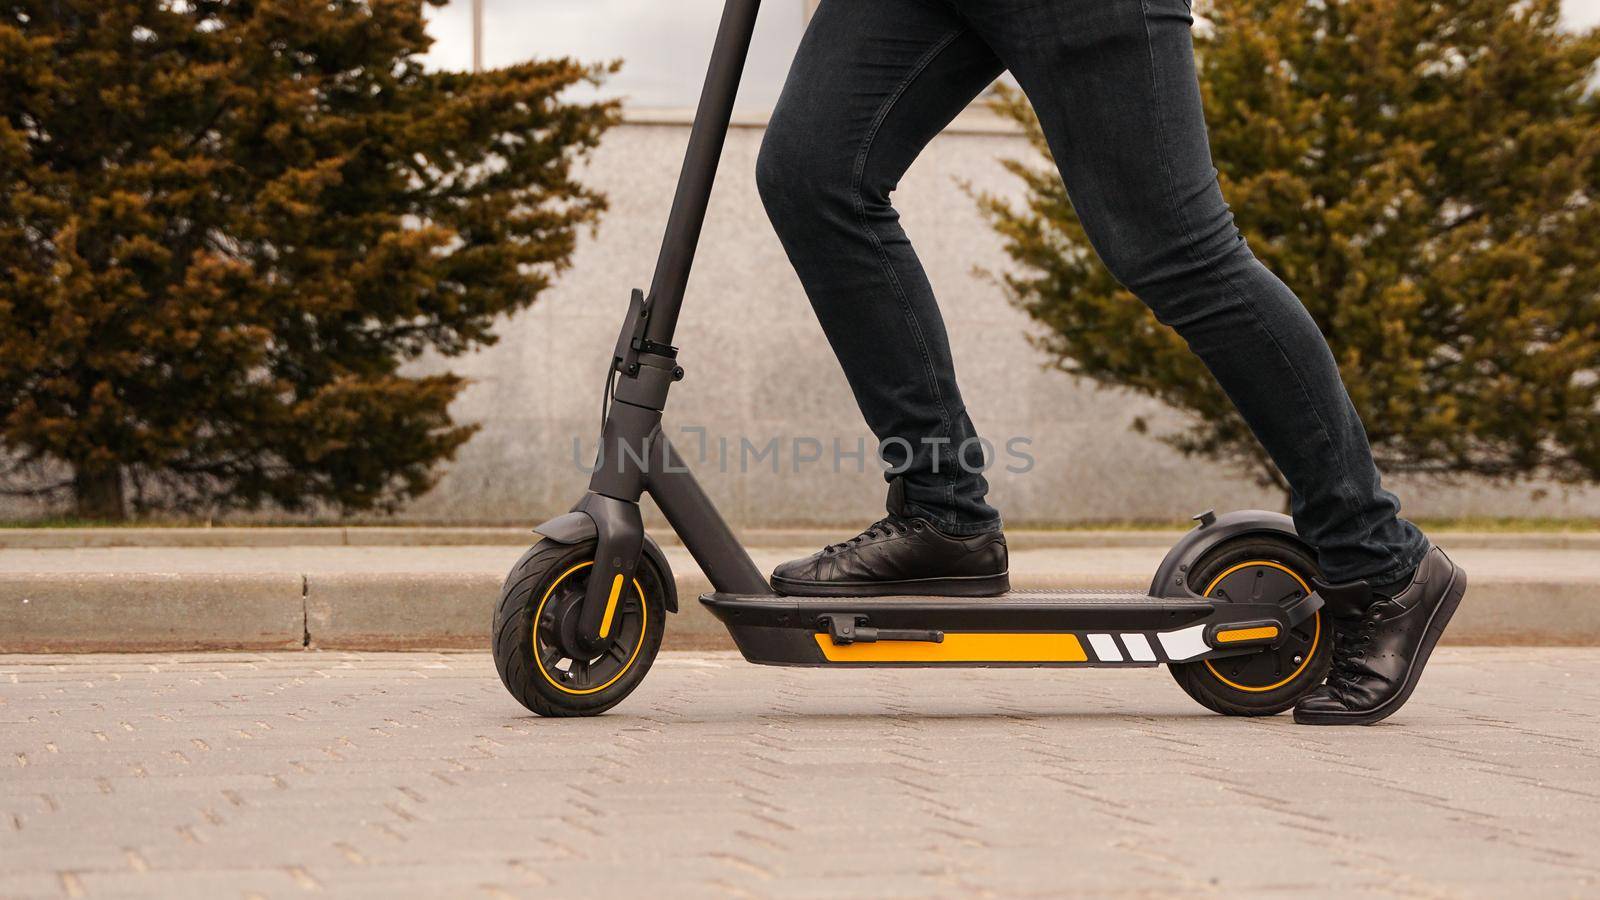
(1351, 643)
(884, 527)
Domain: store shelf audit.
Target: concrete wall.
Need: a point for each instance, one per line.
(747, 328)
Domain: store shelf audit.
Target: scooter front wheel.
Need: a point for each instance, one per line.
(538, 614)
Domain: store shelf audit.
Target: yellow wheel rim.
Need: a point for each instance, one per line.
(538, 611)
(1316, 626)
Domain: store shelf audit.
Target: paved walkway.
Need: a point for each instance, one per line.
(415, 774)
(376, 597)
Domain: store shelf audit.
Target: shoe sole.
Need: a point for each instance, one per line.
(1430, 639)
(968, 586)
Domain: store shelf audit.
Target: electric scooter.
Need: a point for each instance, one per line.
(1231, 610)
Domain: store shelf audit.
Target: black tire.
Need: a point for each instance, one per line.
(547, 581)
(1270, 681)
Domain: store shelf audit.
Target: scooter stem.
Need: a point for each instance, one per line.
(700, 167)
(645, 362)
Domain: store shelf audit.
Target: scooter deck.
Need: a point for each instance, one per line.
(1023, 628)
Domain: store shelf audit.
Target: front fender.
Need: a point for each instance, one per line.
(1170, 579)
(576, 527)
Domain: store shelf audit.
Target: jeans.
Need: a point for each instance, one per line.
(1113, 83)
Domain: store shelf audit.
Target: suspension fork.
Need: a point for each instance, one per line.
(644, 361)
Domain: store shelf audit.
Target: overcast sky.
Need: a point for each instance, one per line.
(664, 43)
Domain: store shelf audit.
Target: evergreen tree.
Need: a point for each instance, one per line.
(1424, 175)
(225, 224)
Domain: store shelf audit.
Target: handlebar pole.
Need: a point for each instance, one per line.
(706, 138)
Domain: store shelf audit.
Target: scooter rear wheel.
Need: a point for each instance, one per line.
(1274, 679)
(539, 604)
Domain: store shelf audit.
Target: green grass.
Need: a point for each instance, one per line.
(1501, 524)
(160, 523)
(1102, 525)
(1509, 525)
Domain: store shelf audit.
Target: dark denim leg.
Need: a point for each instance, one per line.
(874, 82)
(1114, 84)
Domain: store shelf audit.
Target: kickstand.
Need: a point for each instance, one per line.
(848, 628)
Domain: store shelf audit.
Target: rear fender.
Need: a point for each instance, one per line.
(1171, 579)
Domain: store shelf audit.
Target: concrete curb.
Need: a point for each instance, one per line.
(85, 613)
(397, 611)
(426, 536)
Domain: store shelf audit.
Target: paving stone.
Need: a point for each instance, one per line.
(383, 774)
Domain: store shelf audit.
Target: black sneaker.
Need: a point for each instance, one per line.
(1380, 644)
(900, 554)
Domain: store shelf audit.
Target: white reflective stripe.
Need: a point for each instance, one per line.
(1138, 648)
(1185, 644)
(1105, 647)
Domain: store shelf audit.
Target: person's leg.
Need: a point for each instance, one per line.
(872, 83)
(1113, 82)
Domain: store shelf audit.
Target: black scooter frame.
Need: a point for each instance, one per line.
(635, 458)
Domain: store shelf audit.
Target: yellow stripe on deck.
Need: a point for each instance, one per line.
(962, 648)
